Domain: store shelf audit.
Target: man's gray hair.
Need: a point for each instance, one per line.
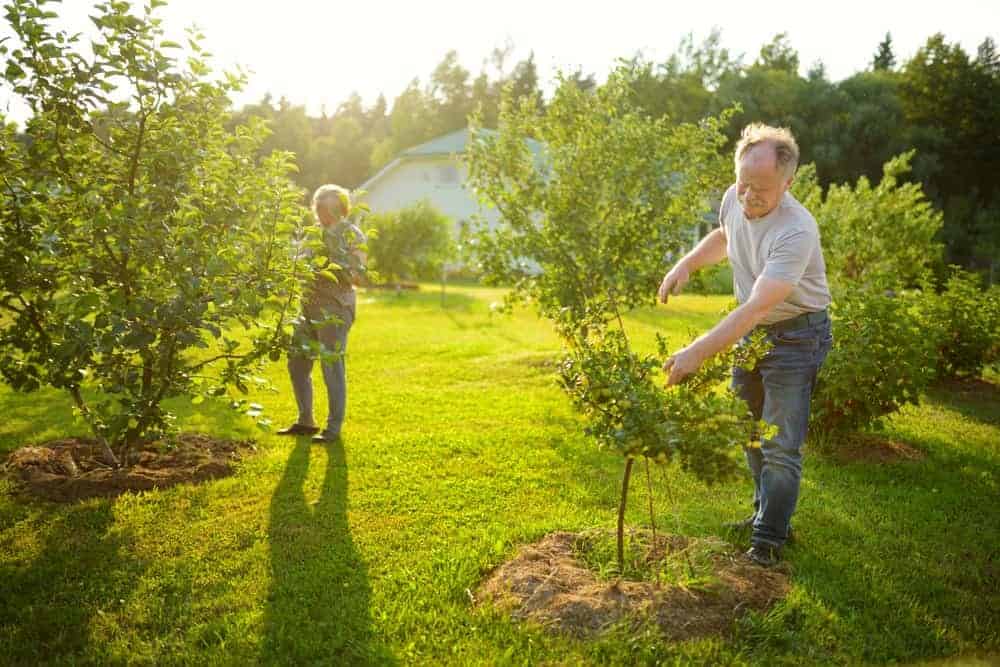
(333, 200)
(786, 149)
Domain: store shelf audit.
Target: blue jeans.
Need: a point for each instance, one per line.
(333, 336)
(778, 391)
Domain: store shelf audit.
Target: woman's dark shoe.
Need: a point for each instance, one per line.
(299, 429)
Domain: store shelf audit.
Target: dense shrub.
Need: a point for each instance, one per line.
(410, 244)
(874, 237)
(883, 357)
(715, 279)
(880, 247)
(965, 320)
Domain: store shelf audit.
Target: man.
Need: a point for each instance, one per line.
(328, 310)
(779, 277)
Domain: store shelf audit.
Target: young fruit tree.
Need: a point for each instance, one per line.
(144, 246)
(588, 222)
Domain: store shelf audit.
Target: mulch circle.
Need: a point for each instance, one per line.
(73, 469)
(548, 585)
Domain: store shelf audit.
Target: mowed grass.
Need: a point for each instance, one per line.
(458, 448)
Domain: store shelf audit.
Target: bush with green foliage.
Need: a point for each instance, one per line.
(136, 231)
(965, 320)
(714, 279)
(410, 244)
(879, 237)
(585, 229)
(881, 251)
(883, 357)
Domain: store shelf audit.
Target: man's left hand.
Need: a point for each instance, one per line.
(681, 365)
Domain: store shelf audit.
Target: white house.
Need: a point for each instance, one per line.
(435, 171)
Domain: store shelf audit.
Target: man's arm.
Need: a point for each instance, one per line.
(711, 250)
(767, 293)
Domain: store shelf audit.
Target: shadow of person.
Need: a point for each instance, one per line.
(318, 606)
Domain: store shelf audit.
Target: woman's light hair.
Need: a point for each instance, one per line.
(785, 147)
(333, 200)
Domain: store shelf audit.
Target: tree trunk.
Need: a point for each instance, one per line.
(652, 513)
(89, 418)
(621, 516)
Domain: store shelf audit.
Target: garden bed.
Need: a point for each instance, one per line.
(73, 469)
(550, 583)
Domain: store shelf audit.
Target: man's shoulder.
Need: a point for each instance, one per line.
(795, 216)
(726, 204)
(728, 198)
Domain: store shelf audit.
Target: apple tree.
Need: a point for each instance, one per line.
(144, 247)
(596, 197)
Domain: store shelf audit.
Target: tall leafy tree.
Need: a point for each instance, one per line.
(524, 83)
(949, 100)
(586, 227)
(450, 95)
(870, 127)
(778, 54)
(143, 244)
(884, 59)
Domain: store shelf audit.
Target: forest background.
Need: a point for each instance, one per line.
(941, 102)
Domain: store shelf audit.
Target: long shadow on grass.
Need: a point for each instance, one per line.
(84, 570)
(318, 607)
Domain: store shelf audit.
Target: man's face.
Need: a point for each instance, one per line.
(759, 182)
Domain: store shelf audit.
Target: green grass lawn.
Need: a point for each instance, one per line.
(458, 448)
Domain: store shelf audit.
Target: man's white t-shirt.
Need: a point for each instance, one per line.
(784, 245)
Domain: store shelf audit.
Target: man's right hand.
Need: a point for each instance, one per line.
(673, 282)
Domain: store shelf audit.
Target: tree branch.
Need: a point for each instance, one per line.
(134, 167)
(214, 359)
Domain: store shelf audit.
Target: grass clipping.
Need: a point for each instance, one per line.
(555, 584)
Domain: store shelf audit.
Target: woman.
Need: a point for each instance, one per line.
(328, 309)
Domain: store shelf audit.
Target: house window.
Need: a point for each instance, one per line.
(448, 174)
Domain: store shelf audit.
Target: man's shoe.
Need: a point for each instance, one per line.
(298, 429)
(764, 555)
(326, 436)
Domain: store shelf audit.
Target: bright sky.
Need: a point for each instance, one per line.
(316, 52)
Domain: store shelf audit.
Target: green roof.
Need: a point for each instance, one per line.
(452, 144)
